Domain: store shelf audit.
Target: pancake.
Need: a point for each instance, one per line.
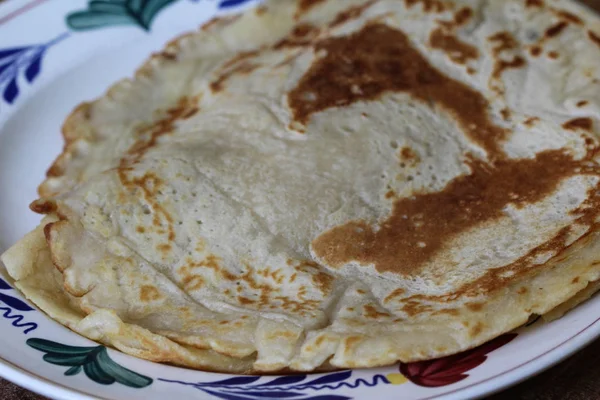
(327, 184)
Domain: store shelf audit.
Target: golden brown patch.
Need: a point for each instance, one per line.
(226, 20)
(140, 229)
(575, 280)
(305, 5)
(301, 35)
(192, 282)
(447, 311)
(475, 306)
(420, 226)
(436, 6)
(476, 329)
(149, 293)
(261, 10)
(352, 341)
(505, 112)
(522, 290)
(396, 293)
(168, 55)
(238, 65)
(245, 301)
(555, 30)
(413, 308)
(360, 291)
(164, 247)
(553, 54)
(582, 123)
(319, 341)
(499, 68)
(372, 312)
(323, 281)
(570, 17)
(351, 13)
(535, 51)
(594, 37)
(534, 3)
(582, 103)
(390, 193)
(502, 41)
(530, 122)
(380, 59)
(457, 50)
(461, 17)
(43, 206)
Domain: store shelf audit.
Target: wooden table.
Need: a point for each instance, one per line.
(577, 378)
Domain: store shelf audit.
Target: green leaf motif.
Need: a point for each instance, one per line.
(95, 362)
(101, 13)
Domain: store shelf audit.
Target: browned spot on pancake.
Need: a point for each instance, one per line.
(305, 5)
(168, 55)
(293, 277)
(553, 54)
(457, 50)
(556, 29)
(140, 229)
(575, 280)
(226, 20)
(193, 282)
(301, 35)
(471, 71)
(360, 291)
(534, 3)
(530, 122)
(323, 281)
(535, 51)
(447, 311)
(594, 37)
(373, 313)
(436, 6)
(499, 68)
(351, 13)
(583, 123)
(380, 59)
(461, 17)
(593, 4)
(408, 156)
(422, 225)
(502, 65)
(352, 341)
(505, 112)
(261, 10)
(164, 247)
(149, 293)
(503, 41)
(413, 308)
(396, 293)
(475, 306)
(582, 103)
(390, 194)
(476, 329)
(245, 301)
(522, 290)
(236, 68)
(43, 206)
(319, 341)
(570, 17)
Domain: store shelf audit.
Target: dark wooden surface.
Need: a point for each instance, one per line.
(577, 378)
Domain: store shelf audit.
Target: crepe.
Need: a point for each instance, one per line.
(328, 184)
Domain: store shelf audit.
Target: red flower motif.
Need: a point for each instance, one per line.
(451, 369)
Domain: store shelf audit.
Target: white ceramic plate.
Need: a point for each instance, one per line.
(56, 54)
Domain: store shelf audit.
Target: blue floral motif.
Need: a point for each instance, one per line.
(26, 60)
(15, 304)
(285, 387)
(232, 3)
